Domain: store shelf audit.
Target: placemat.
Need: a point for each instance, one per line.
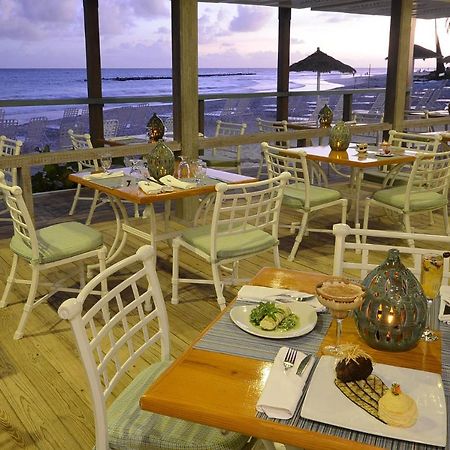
(226, 337)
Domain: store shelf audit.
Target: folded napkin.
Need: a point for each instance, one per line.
(99, 175)
(261, 293)
(283, 388)
(170, 180)
(149, 187)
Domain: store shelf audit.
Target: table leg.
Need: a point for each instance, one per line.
(120, 238)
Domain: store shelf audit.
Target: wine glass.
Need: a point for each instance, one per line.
(106, 161)
(431, 272)
(340, 296)
(200, 171)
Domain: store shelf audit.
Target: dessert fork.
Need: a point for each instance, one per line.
(289, 359)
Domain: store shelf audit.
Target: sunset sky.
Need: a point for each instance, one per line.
(136, 33)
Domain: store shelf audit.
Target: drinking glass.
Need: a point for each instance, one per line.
(200, 171)
(106, 161)
(431, 272)
(340, 296)
(184, 168)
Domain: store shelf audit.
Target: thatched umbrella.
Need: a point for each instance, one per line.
(320, 62)
(420, 52)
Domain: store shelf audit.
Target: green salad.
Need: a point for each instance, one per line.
(272, 316)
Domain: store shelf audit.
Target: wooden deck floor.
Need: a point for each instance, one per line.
(44, 402)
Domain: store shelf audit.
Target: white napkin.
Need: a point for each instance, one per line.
(99, 175)
(149, 187)
(170, 180)
(261, 293)
(283, 388)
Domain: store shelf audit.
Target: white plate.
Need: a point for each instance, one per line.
(240, 315)
(424, 387)
(384, 155)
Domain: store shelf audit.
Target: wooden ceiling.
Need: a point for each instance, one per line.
(422, 9)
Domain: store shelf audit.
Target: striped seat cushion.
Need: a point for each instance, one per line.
(131, 428)
(247, 242)
(60, 241)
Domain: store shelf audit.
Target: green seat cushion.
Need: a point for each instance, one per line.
(247, 242)
(130, 428)
(294, 196)
(60, 241)
(419, 201)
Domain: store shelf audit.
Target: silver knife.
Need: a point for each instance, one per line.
(303, 364)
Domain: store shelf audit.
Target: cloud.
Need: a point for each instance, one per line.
(25, 20)
(150, 9)
(251, 18)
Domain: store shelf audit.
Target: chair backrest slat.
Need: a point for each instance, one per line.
(115, 331)
(79, 142)
(240, 208)
(297, 165)
(22, 222)
(417, 142)
(357, 259)
(430, 173)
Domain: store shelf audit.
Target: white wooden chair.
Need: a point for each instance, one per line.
(44, 249)
(300, 194)
(112, 336)
(355, 258)
(230, 156)
(425, 191)
(271, 126)
(80, 142)
(244, 223)
(9, 147)
(399, 142)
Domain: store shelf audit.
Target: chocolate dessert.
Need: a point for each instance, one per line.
(354, 364)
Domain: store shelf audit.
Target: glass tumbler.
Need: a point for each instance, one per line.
(431, 273)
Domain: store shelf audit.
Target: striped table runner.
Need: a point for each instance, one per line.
(226, 337)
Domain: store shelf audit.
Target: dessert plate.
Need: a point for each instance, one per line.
(384, 155)
(240, 315)
(425, 388)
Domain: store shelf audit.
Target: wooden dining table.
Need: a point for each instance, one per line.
(358, 164)
(125, 188)
(220, 389)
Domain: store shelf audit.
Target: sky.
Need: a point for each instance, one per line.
(136, 34)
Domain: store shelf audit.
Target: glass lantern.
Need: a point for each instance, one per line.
(393, 314)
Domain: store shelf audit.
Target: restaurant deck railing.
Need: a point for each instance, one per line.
(26, 162)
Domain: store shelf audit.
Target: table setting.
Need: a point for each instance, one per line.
(309, 397)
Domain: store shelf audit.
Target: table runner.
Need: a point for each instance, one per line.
(226, 337)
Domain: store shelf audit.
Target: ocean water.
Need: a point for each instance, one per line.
(18, 84)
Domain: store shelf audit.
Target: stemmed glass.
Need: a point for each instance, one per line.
(106, 161)
(431, 272)
(199, 171)
(340, 296)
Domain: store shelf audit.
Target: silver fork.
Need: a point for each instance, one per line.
(289, 359)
